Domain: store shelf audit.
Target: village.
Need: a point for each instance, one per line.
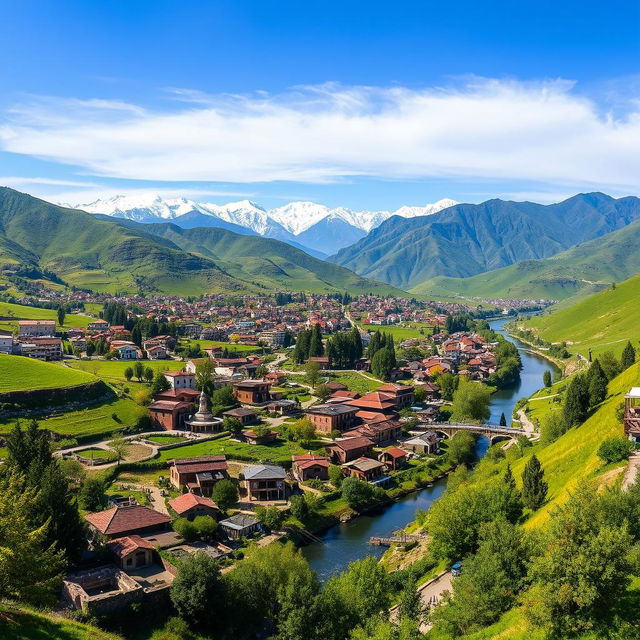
(286, 436)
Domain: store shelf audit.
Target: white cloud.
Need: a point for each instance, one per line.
(488, 129)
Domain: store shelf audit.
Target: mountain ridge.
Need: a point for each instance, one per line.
(468, 239)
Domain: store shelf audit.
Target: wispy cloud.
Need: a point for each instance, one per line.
(541, 132)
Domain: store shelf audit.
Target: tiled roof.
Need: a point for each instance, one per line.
(187, 501)
(120, 519)
(122, 547)
(349, 444)
(264, 472)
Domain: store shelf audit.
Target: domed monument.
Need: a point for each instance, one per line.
(203, 421)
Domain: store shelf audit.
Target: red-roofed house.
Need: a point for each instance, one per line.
(308, 466)
(198, 475)
(393, 458)
(189, 505)
(128, 520)
(169, 414)
(132, 552)
(348, 449)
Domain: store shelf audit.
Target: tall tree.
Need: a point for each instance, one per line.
(597, 383)
(503, 420)
(471, 402)
(316, 348)
(576, 402)
(534, 488)
(628, 356)
(138, 370)
(546, 378)
(30, 568)
(357, 343)
(382, 363)
(61, 315)
(205, 373)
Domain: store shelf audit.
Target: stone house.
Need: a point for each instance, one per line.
(198, 475)
(331, 417)
(308, 466)
(263, 482)
(190, 505)
(347, 449)
(118, 522)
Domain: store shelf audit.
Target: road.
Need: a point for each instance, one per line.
(631, 474)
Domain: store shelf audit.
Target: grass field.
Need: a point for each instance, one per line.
(601, 322)
(18, 373)
(91, 421)
(24, 624)
(161, 440)
(93, 453)
(356, 382)
(399, 333)
(113, 370)
(24, 312)
(240, 348)
(279, 452)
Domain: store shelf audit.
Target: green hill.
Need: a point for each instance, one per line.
(601, 322)
(105, 256)
(25, 624)
(584, 269)
(18, 373)
(264, 261)
(468, 239)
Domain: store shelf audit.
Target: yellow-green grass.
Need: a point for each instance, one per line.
(91, 421)
(356, 382)
(18, 373)
(93, 453)
(545, 400)
(17, 312)
(113, 370)
(399, 333)
(162, 440)
(574, 455)
(26, 624)
(240, 348)
(278, 452)
(602, 322)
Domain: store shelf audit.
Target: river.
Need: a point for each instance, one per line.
(349, 541)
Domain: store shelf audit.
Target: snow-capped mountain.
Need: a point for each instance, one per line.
(307, 224)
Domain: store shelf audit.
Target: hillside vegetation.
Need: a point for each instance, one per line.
(468, 239)
(265, 261)
(105, 256)
(584, 269)
(602, 322)
(18, 373)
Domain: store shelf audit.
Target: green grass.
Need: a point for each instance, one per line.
(161, 440)
(278, 452)
(24, 312)
(113, 370)
(399, 333)
(91, 421)
(18, 373)
(240, 348)
(356, 382)
(92, 453)
(602, 322)
(25, 624)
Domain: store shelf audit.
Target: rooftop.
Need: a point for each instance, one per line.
(331, 409)
(239, 521)
(264, 472)
(121, 519)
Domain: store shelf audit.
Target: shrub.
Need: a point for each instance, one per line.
(615, 449)
(185, 528)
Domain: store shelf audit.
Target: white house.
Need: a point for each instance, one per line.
(181, 379)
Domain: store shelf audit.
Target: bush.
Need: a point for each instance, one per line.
(357, 493)
(335, 476)
(186, 529)
(615, 449)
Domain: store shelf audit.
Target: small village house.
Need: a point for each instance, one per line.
(331, 417)
(393, 458)
(118, 522)
(170, 415)
(251, 391)
(190, 505)
(347, 449)
(364, 469)
(35, 328)
(198, 475)
(308, 466)
(246, 416)
(240, 525)
(264, 482)
(132, 552)
(181, 379)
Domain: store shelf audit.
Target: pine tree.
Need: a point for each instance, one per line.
(61, 315)
(576, 403)
(136, 335)
(597, 384)
(534, 488)
(315, 343)
(508, 478)
(546, 378)
(628, 356)
(382, 363)
(357, 343)
(503, 420)
(374, 344)
(301, 350)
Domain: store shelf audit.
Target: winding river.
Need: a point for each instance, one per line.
(349, 541)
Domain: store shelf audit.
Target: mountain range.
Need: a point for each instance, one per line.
(468, 239)
(110, 255)
(581, 270)
(307, 225)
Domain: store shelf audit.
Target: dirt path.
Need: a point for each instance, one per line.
(632, 470)
(527, 425)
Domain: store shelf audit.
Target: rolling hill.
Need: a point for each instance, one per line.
(265, 262)
(468, 239)
(601, 322)
(106, 256)
(584, 269)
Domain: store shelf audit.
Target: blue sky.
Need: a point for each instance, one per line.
(370, 105)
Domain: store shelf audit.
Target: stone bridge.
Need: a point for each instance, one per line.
(494, 433)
